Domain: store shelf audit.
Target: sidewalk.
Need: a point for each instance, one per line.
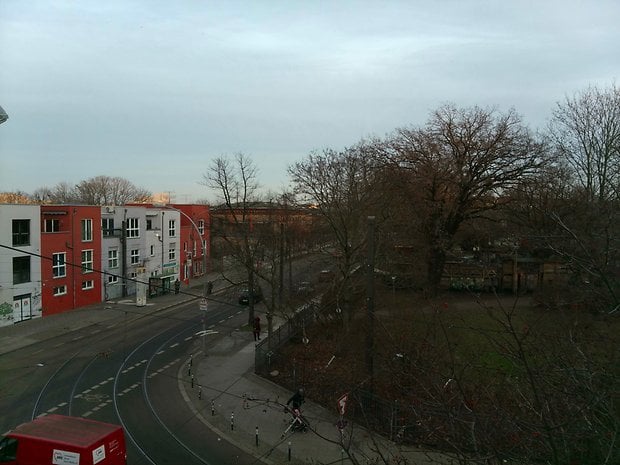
(239, 406)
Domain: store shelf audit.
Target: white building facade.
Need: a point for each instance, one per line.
(141, 244)
(20, 263)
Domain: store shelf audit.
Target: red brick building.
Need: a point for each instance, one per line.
(195, 243)
(71, 245)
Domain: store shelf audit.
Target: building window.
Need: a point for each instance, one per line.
(51, 225)
(59, 267)
(149, 224)
(112, 279)
(88, 284)
(172, 253)
(133, 227)
(107, 226)
(21, 270)
(172, 228)
(87, 261)
(135, 256)
(113, 258)
(152, 251)
(87, 230)
(21, 232)
(133, 275)
(201, 227)
(60, 290)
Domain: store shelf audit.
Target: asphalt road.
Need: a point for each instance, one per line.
(126, 373)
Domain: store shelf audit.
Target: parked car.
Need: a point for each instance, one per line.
(245, 295)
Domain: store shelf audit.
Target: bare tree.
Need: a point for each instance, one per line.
(61, 193)
(42, 195)
(460, 165)
(571, 210)
(342, 186)
(235, 180)
(106, 190)
(99, 190)
(586, 131)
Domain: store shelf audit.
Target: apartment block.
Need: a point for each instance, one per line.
(140, 247)
(20, 263)
(71, 251)
(56, 258)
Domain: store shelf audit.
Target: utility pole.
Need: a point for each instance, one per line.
(370, 301)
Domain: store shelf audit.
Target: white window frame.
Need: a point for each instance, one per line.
(87, 230)
(133, 227)
(51, 225)
(87, 261)
(172, 253)
(112, 258)
(134, 256)
(106, 230)
(62, 267)
(60, 290)
(112, 279)
(201, 227)
(172, 228)
(86, 285)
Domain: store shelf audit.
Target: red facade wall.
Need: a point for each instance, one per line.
(61, 231)
(190, 233)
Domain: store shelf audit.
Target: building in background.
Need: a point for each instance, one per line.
(20, 263)
(139, 240)
(56, 258)
(71, 251)
(195, 244)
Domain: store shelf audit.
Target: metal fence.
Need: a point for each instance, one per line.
(385, 416)
(267, 349)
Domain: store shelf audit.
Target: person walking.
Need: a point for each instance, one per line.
(256, 329)
(297, 399)
(298, 422)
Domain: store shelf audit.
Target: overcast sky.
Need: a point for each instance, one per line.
(152, 90)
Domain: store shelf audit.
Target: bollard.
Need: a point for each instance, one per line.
(289, 451)
(341, 456)
(199, 392)
(232, 421)
(189, 370)
(192, 381)
(257, 436)
(212, 408)
(191, 359)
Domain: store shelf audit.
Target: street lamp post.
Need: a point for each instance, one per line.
(203, 244)
(3, 115)
(161, 240)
